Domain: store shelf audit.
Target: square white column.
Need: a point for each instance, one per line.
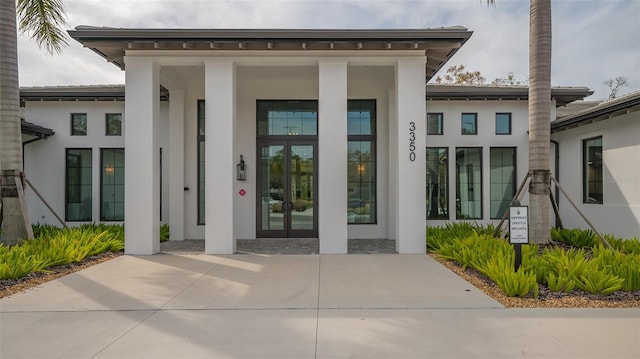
(142, 157)
(332, 156)
(219, 173)
(176, 164)
(393, 165)
(410, 210)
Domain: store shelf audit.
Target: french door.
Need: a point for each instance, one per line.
(287, 187)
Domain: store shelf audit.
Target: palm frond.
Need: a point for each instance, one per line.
(44, 20)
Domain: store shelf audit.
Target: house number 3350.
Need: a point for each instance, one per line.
(412, 141)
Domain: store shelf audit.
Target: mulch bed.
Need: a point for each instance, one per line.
(12, 286)
(546, 298)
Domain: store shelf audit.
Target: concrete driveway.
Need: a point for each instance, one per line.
(294, 306)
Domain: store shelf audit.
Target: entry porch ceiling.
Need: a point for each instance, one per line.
(439, 44)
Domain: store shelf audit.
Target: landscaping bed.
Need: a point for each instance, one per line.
(577, 270)
(546, 298)
(12, 286)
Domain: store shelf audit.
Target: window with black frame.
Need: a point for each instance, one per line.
(437, 181)
(78, 186)
(200, 159)
(469, 183)
(361, 162)
(502, 178)
(592, 170)
(112, 184)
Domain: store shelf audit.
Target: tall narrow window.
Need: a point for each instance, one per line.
(437, 183)
(469, 183)
(469, 124)
(434, 124)
(502, 179)
(113, 124)
(112, 184)
(78, 124)
(503, 123)
(200, 150)
(592, 170)
(78, 196)
(361, 161)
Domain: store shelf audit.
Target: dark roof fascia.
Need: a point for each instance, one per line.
(603, 111)
(86, 33)
(111, 43)
(73, 93)
(79, 93)
(562, 95)
(31, 129)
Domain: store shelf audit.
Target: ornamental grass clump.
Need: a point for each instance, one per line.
(495, 259)
(58, 247)
(450, 232)
(586, 265)
(579, 238)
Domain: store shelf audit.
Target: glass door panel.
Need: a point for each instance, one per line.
(272, 186)
(302, 187)
(287, 186)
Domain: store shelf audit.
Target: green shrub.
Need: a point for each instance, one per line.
(513, 283)
(620, 264)
(59, 247)
(597, 269)
(15, 263)
(594, 280)
(164, 233)
(628, 246)
(44, 230)
(560, 283)
(453, 231)
(580, 238)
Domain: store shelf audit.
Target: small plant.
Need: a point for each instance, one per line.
(164, 233)
(628, 246)
(580, 238)
(519, 283)
(562, 283)
(595, 281)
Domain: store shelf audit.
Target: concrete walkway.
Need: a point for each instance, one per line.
(294, 306)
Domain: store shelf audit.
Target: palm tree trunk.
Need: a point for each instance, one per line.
(15, 222)
(539, 118)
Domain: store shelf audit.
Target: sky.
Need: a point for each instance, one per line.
(593, 40)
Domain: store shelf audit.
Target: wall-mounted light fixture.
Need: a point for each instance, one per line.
(241, 171)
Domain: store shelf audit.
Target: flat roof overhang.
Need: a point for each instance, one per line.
(112, 43)
(36, 131)
(79, 93)
(562, 95)
(605, 111)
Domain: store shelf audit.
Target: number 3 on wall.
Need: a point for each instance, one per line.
(412, 141)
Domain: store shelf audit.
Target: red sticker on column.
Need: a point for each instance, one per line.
(242, 192)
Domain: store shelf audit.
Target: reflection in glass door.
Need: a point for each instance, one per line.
(287, 185)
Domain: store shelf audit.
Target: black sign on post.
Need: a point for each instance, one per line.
(518, 230)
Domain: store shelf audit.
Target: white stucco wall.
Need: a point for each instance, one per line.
(619, 213)
(286, 83)
(486, 138)
(45, 159)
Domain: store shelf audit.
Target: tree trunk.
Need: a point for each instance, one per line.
(539, 118)
(15, 222)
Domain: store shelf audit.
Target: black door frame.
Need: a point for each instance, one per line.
(287, 232)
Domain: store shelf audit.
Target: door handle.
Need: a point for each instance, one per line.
(290, 206)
